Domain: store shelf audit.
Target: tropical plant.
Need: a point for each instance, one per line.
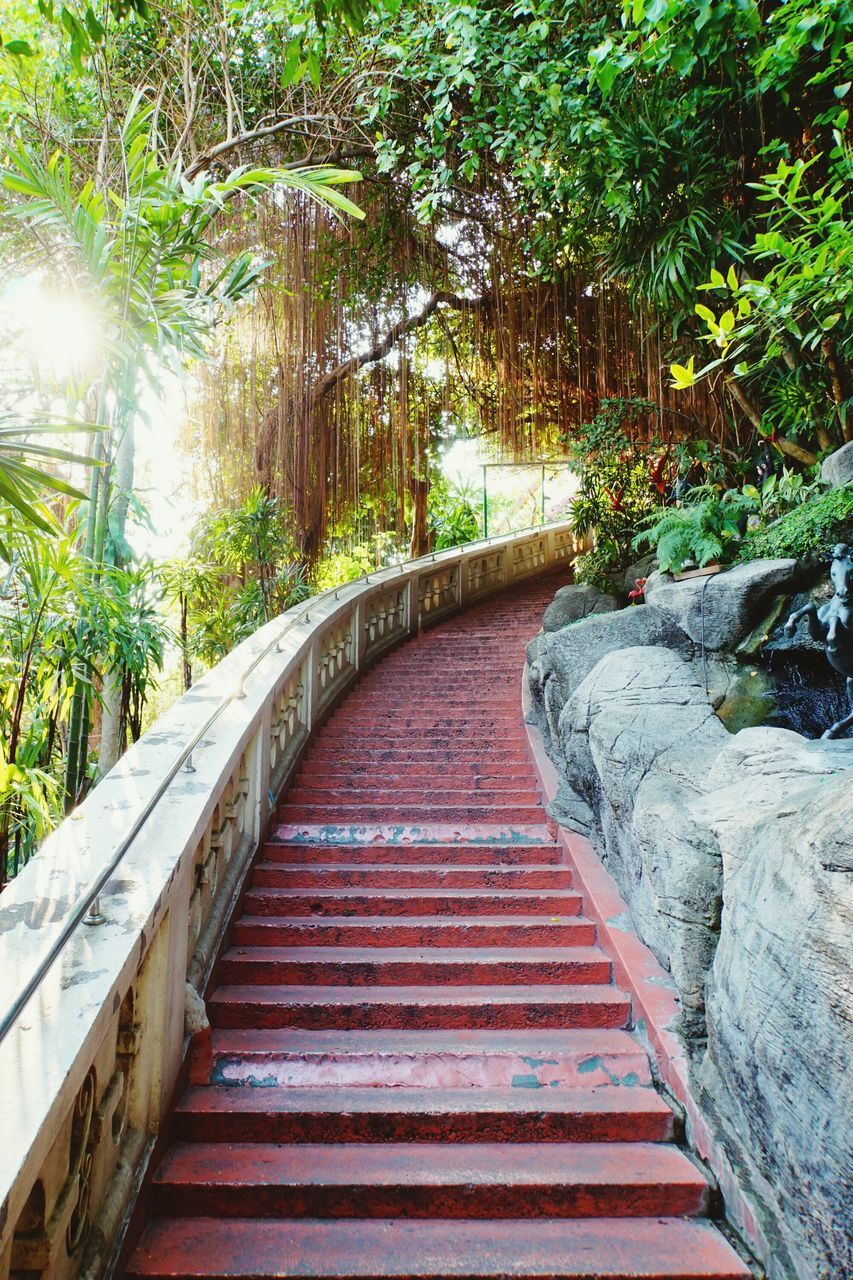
(142, 251)
(706, 530)
(780, 492)
(792, 321)
(623, 476)
(46, 587)
(807, 532)
(452, 516)
(596, 568)
(243, 570)
(28, 467)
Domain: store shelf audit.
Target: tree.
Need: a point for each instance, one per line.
(142, 249)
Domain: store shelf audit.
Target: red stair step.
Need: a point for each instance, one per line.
(531, 1060)
(395, 1249)
(391, 791)
(396, 813)
(411, 902)
(517, 1006)
(382, 876)
(626, 1114)
(482, 778)
(436, 1180)
(413, 854)
(413, 931)
(408, 966)
(465, 751)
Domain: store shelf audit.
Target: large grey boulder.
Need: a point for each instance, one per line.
(721, 609)
(574, 602)
(776, 1075)
(560, 660)
(638, 738)
(837, 469)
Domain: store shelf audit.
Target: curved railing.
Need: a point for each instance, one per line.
(92, 1019)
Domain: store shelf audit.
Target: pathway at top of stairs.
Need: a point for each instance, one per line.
(421, 1064)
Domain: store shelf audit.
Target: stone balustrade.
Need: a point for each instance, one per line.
(91, 1064)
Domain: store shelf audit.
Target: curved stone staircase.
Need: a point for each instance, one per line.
(421, 1065)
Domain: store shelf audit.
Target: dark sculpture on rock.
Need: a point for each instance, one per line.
(832, 623)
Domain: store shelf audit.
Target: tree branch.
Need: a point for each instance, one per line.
(205, 160)
(788, 447)
(383, 345)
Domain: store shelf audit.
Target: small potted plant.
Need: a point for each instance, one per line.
(698, 538)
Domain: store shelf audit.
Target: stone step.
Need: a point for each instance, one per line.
(467, 753)
(222, 1114)
(407, 966)
(405, 834)
(660, 1248)
(412, 902)
(481, 777)
(492, 855)
(414, 931)
(391, 812)
(540, 1061)
(515, 1006)
(269, 875)
(393, 792)
(434, 1180)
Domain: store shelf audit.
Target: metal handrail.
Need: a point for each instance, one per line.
(90, 897)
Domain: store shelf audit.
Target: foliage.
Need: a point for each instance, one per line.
(807, 532)
(780, 492)
(25, 460)
(47, 589)
(452, 517)
(243, 571)
(798, 307)
(622, 477)
(706, 530)
(596, 568)
(347, 563)
(141, 252)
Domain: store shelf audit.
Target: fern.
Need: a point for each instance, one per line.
(701, 533)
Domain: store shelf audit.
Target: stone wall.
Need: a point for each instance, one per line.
(734, 854)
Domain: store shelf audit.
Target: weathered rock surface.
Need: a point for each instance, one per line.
(638, 738)
(571, 811)
(780, 995)
(733, 601)
(576, 601)
(560, 660)
(837, 469)
(735, 856)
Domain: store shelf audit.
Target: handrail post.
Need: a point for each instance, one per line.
(94, 916)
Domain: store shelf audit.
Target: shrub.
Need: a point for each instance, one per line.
(809, 532)
(621, 476)
(596, 568)
(702, 532)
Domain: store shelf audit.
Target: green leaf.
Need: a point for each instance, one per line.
(682, 375)
(19, 48)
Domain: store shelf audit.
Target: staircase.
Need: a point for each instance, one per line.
(421, 1064)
